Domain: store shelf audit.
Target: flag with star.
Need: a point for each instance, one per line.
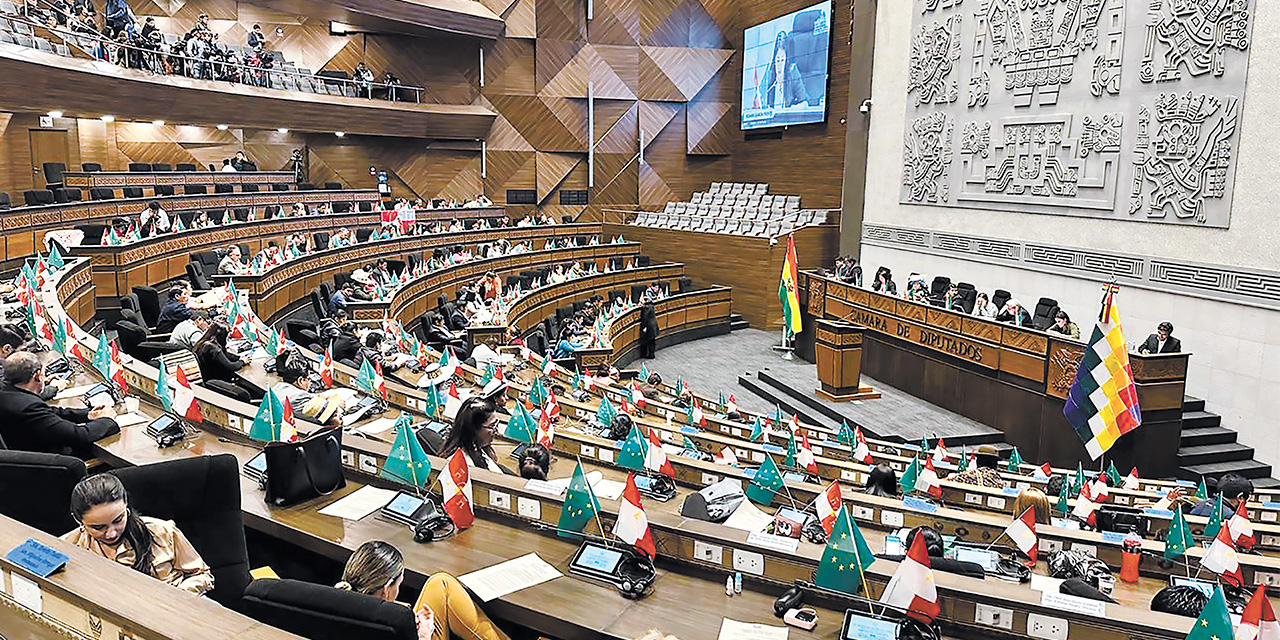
(766, 483)
(433, 403)
(1179, 538)
(757, 430)
(908, 480)
(1113, 475)
(845, 436)
(580, 504)
(489, 372)
(792, 452)
(268, 423)
(55, 258)
(407, 462)
(846, 557)
(634, 450)
(1215, 519)
(1079, 479)
(521, 426)
(605, 413)
(1202, 492)
(162, 388)
(1015, 460)
(1062, 507)
(963, 465)
(1214, 622)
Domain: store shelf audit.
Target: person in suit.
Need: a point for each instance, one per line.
(217, 364)
(782, 85)
(28, 424)
(175, 309)
(443, 610)
(472, 433)
(1162, 341)
(648, 332)
(256, 39)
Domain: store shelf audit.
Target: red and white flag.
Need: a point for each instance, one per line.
(379, 382)
(794, 423)
(326, 368)
(73, 344)
(805, 458)
(861, 451)
(455, 486)
(726, 456)
(548, 365)
(1131, 481)
(655, 459)
(1242, 528)
(637, 397)
(184, 397)
(1043, 471)
(1221, 557)
(940, 452)
(117, 369)
(912, 587)
(1086, 509)
(695, 415)
(927, 481)
(828, 505)
(546, 430)
(1022, 531)
(1100, 489)
(732, 407)
(632, 526)
(552, 408)
(288, 423)
(1259, 620)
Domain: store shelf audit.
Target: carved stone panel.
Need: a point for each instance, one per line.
(1119, 109)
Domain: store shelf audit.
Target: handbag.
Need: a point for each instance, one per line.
(300, 471)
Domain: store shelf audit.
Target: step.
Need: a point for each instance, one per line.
(1200, 436)
(1266, 483)
(789, 405)
(1192, 404)
(1194, 419)
(809, 404)
(1246, 468)
(1210, 453)
(737, 325)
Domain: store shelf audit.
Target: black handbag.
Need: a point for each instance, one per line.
(300, 471)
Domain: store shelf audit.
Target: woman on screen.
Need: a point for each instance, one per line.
(782, 85)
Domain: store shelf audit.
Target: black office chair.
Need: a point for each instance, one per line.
(224, 188)
(938, 290)
(321, 240)
(279, 187)
(186, 166)
(149, 300)
(161, 166)
(217, 216)
(318, 305)
(5, 202)
(53, 174)
(90, 167)
(164, 190)
(235, 392)
(320, 612)
(46, 480)
(340, 278)
(342, 207)
(968, 296)
(249, 188)
(195, 273)
(195, 189)
(365, 207)
(102, 193)
(1046, 309)
(205, 506)
(132, 192)
(643, 261)
(37, 197)
(303, 333)
(326, 292)
(240, 214)
(139, 167)
(999, 297)
(684, 285)
(637, 291)
(306, 186)
(133, 341)
(362, 235)
(333, 186)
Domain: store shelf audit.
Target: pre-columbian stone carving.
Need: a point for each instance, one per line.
(927, 155)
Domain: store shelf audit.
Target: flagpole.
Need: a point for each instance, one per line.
(592, 491)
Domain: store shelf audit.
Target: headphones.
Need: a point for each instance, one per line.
(434, 528)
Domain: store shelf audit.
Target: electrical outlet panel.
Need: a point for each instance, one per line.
(1046, 627)
(1269, 579)
(500, 500)
(993, 616)
(368, 464)
(748, 562)
(529, 508)
(708, 552)
(1087, 549)
(1050, 546)
(863, 513)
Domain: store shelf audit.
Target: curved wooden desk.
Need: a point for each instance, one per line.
(119, 179)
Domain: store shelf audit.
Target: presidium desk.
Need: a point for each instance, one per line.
(1012, 379)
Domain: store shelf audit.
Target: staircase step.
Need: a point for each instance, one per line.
(1199, 436)
(1194, 419)
(1266, 483)
(790, 405)
(1246, 468)
(739, 324)
(1211, 453)
(1190, 403)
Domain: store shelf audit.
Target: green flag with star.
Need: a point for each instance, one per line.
(1079, 481)
(1215, 519)
(538, 393)
(1202, 492)
(407, 462)
(1015, 460)
(580, 504)
(757, 430)
(963, 465)
(605, 413)
(766, 483)
(1062, 507)
(1179, 538)
(644, 373)
(846, 435)
(792, 451)
(162, 389)
(908, 481)
(1214, 622)
(55, 258)
(1113, 475)
(634, 449)
(102, 357)
(924, 447)
(521, 427)
(489, 372)
(433, 403)
(846, 557)
(266, 425)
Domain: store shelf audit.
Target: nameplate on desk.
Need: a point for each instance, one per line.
(1074, 604)
(776, 543)
(38, 558)
(1010, 491)
(1111, 537)
(542, 486)
(774, 449)
(1158, 513)
(917, 504)
(693, 431)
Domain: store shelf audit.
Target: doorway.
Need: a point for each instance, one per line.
(47, 145)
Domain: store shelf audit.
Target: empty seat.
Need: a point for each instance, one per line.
(333, 186)
(4, 201)
(102, 193)
(37, 197)
(164, 189)
(186, 166)
(53, 174)
(224, 188)
(161, 167)
(90, 167)
(793, 203)
(194, 189)
(139, 167)
(132, 192)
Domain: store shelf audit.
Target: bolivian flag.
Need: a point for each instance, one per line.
(787, 290)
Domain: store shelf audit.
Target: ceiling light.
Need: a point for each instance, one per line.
(55, 114)
(222, 127)
(158, 123)
(108, 118)
(282, 130)
(340, 133)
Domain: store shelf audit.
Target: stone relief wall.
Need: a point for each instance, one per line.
(1119, 109)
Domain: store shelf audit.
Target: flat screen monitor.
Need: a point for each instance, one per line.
(784, 69)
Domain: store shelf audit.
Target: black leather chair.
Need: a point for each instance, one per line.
(319, 305)
(205, 506)
(321, 240)
(186, 166)
(938, 290)
(132, 192)
(194, 189)
(333, 186)
(326, 293)
(53, 174)
(227, 389)
(306, 186)
(217, 216)
(320, 612)
(195, 272)
(340, 279)
(224, 188)
(1046, 309)
(92, 233)
(90, 167)
(240, 214)
(279, 187)
(342, 207)
(102, 193)
(164, 190)
(362, 235)
(684, 284)
(249, 188)
(643, 261)
(5, 203)
(133, 341)
(37, 197)
(161, 166)
(999, 297)
(637, 291)
(149, 299)
(365, 206)
(44, 502)
(968, 296)
(303, 333)
(139, 167)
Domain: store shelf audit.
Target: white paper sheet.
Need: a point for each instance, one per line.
(360, 503)
(508, 577)
(748, 518)
(593, 478)
(609, 489)
(377, 426)
(734, 630)
(73, 392)
(130, 419)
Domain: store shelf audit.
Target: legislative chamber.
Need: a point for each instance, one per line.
(680, 320)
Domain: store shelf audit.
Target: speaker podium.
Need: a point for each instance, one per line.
(838, 351)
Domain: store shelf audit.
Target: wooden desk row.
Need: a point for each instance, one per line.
(120, 179)
(681, 317)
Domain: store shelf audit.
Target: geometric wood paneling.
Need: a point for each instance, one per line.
(552, 170)
(711, 127)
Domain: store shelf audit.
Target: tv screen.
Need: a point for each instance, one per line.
(784, 69)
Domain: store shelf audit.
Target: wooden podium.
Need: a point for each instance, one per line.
(838, 351)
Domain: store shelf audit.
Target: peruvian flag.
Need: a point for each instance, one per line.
(552, 409)
(1086, 509)
(928, 481)
(1100, 489)
(1222, 559)
(655, 459)
(732, 407)
(1242, 529)
(625, 407)
(117, 369)
(794, 423)
(726, 456)
(288, 423)
(861, 451)
(184, 398)
(940, 452)
(1131, 480)
(1259, 620)
(806, 461)
(379, 382)
(632, 526)
(696, 416)
(453, 393)
(73, 345)
(637, 398)
(455, 487)
(912, 587)
(1022, 531)
(326, 367)
(828, 505)
(548, 365)
(1043, 471)
(546, 431)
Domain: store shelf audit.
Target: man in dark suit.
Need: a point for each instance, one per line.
(28, 424)
(1162, 341)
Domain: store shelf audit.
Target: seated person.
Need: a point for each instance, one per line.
(233, 264)
(485, 353)
(363, 275)
(109, 528)
(472, 433)
(154, 220)
(917, 290)
(652, 294)
(189, 331)
(951, 301)
(934, 545)
(983, 308)
(1234, 489)
(217, 364)
(490, 286)
(382, 273)
(443, 609)
(28, 424)
(513, 337)
(535, 462)
(984, 473)
(294, 371)
(371, 351)
(1162, 341)
(568, 343)
(882, 481)
(1034, 499)
(437, 334)
(175, 309)
(849, 271)
(1062, 324)
(884, 283)
(1014, 313)
(340, 298)
(332, 327)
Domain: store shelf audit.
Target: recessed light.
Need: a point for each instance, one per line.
(282, 130)
(55, 114)
(340, 133)
(158, 123)
(108, 118)
(222, 127)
